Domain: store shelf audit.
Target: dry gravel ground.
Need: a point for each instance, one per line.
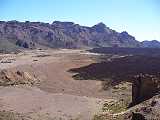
(35, 102)
(58, 96)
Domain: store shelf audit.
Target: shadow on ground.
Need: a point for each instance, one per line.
(119, 69)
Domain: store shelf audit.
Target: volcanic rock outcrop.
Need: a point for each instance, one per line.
(16, 77)
(144, 87)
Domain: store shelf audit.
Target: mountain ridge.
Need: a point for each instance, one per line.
(151, 44)
(63, 35)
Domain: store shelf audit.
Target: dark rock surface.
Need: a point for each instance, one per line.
(127, 51)
(144, 87)
(142, 71)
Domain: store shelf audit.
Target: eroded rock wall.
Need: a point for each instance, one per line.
(144, 87)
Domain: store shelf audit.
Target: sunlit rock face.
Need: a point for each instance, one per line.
(63, 35)
(16, 77)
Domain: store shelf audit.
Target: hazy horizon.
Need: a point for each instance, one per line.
(139, 18)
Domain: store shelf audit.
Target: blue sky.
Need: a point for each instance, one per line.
(140, 18)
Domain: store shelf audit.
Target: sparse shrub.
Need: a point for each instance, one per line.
(115, 107)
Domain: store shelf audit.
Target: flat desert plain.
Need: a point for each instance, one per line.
(57, 96)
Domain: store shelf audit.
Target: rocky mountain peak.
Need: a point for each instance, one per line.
(124, 33)
(101, 24)
(100, 27)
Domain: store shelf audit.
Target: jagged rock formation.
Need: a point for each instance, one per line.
(144, 87)
(16, 77)
(63, 35)
(146, 110)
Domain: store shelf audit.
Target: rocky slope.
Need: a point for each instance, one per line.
(147, 110)
(63, 35)
(16, 77)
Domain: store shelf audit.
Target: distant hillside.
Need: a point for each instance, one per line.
(63, 35)
(6, 46)
(151, 44)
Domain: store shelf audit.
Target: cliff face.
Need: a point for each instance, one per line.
(63, 35)
(144, 87)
